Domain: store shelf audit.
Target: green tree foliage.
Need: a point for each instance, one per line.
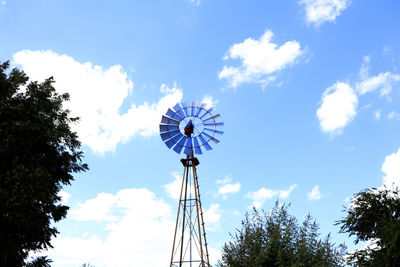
(38, 155)
(374, 215)
(277, 239)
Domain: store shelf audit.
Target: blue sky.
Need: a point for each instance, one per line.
(309, 92)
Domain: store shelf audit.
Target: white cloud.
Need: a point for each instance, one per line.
(4, 2)
(97, 95)
(315, 194)
(227, 187)
(260, 196)
(143, 227)
(96, 209)
(195, 2)
(391, 167)
(212, 217)
(393, 115)
(209, 101)
(378, 114)
(260, 60)
(64, 197)
(320, 11)
(338, 107)
(339, 102)
(173, 189)
(383, 82)
(224, 181)
(285, 193)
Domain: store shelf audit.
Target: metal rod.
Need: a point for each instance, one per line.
(201, 215)
(198, 218)
(177, 218)
(184, 214)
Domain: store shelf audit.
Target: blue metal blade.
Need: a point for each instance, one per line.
(193, 108)
(168, 128)
(171, 142)
(214, 131)
(167, 120)
(168, 135)
(200, 109)
(214, 124)
(197, 148)
(188, 147)
(213, 117)
(211, 138)
(185, 109)
(207, 112)
(204, 143)
(178, 110)
(180, 145)
(172, 114)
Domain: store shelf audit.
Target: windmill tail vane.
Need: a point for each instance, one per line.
(190, 128)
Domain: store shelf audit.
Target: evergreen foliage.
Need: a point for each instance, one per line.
(277, 239)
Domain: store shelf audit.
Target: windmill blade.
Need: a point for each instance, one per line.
(173, 114)
(197, 148)
(180, 145)
(168, 135)
(214, 124)
(185, 109)
(194, 105)
(213, 117)
(188, 147)
(167, 120)
(207, 112)
(168, 128)
(214, 131)
(204, 143)
(171, 142)
(211, 138)
(200, 109)
(178, 110)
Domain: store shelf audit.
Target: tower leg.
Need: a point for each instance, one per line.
(189, 247)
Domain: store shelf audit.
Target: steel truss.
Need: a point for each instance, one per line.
(190, 244)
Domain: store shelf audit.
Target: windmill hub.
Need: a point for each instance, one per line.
(190, 128)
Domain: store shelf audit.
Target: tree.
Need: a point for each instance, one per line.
(374, 216)
(38, 155)
(276, 239)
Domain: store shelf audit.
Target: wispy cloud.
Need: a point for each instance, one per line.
(315, 194)
(209, 101)
(97, 95)
(319, 11)
(195, 2)
(227, 187)
(338, 106)
(263, 194)
(260, 60)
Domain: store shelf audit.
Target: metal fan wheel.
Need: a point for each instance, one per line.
(205, 123)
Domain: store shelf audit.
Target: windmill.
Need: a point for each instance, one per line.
(190, 128)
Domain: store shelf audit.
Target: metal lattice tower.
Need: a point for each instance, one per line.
(181, 128)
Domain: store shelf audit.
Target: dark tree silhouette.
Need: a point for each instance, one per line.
(38, 155)
(276, 239)
(374, 215)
